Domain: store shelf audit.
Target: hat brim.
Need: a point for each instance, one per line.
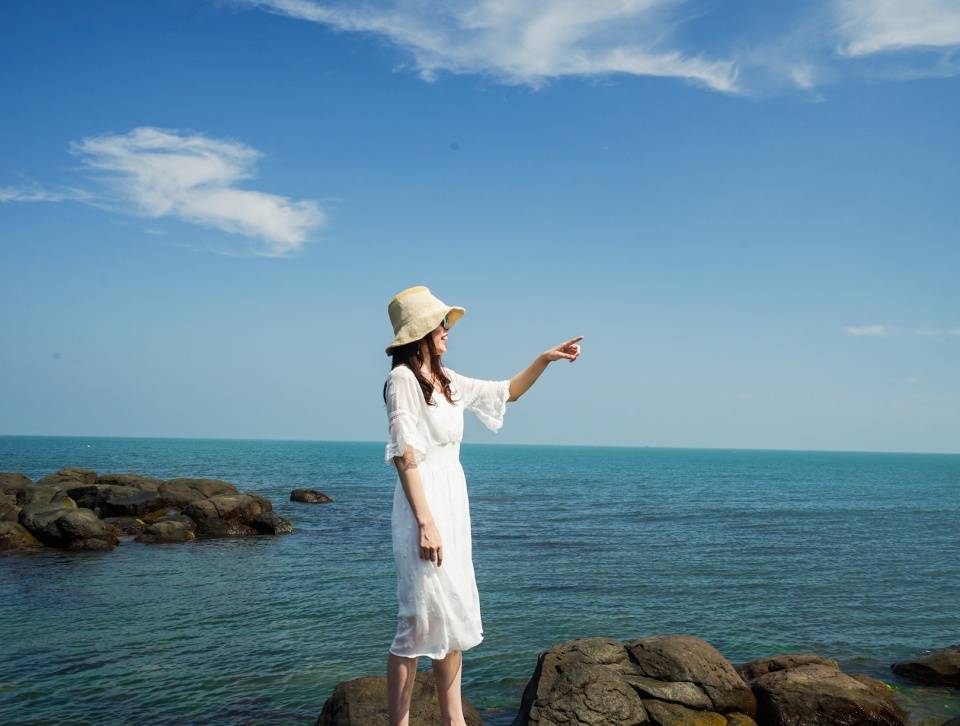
(453, 314)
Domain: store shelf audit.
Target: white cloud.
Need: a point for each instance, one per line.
(877, 26)
(525, 42)
(939, 332)
(32, 194)
(866, 330)
(157, 172)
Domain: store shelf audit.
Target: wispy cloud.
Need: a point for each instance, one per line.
(525, 42)
(878, 26)
(158, 172)
(38, 194)
(866, 330)
(939, 332)
(534, 41)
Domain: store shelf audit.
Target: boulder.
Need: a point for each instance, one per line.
(309, 496)
(130, 479)
(363, 702)
(664, 679)
(799, 689)
(212, 527)
(14, 536)
(9, 509)
(935, 668)
(271, 523)
(71, 476)
(11, 481)
(127, 525)
(242, 507)
(167, 531)
(185, 491)
(72, 529)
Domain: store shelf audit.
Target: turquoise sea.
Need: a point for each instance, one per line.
(851, 555)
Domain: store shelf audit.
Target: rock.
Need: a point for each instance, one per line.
(664, 679)
(167, 531)
(271, 523)
(242, 507)
(688, 658)
(217, 527)
(309, 496)
(185, 491)
(130, 479)
(936, 668)
(14, 536)
(363, 702)
(47, 496)
(70, 476)
(72, 529)
(127, 525)
(820, 694)
(752, 669)
(10, 481)
(9, 509)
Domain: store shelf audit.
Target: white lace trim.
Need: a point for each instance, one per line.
(403, 433)
(491, 406)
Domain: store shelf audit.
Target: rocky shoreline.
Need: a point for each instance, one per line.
(669, 680)
(77, 510)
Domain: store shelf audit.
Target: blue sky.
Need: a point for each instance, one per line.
(748, 211)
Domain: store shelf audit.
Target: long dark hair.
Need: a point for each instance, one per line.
(409, 355)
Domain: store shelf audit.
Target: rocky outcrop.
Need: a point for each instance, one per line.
(808, 689)
(309, 496)
(682, 680)
(363, 702)
(74, 509)
(935, 668)
(663, 679)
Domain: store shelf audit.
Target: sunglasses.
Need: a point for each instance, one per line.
(445, 323)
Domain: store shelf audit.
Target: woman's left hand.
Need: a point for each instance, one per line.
(569, 350)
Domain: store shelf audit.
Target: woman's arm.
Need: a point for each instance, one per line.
(521, 382)
(431, 546)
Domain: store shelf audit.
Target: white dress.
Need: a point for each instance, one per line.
(439, 607)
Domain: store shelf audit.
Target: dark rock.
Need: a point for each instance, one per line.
(663, 713)
(127, 525)
(70, 476)
(217, 527)
(817, 694)
(242, 507)
(167, 531)
(14, 536)
(271, 523)
(363, 702)
(309, 496)
(48, 497)
(130, 479)
(9, 509)
(936, 668)
(72, 529)
(12, 480)
(185, 491)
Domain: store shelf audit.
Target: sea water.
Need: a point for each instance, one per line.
(854, 556)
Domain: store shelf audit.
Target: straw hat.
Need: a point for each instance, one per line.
(414, 312)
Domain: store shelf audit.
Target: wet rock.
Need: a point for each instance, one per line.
(10, 480)
(750, 670)
(363, 702)
(185, 491)
(14, 537)
(217, 527)
(271, 523)
(127, 525)
(167, 531)
(936, 668)
(309, 496)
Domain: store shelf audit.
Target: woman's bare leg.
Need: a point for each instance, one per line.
(446, 675)
(401, 675)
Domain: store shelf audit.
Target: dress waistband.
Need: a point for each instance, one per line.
(441, 455)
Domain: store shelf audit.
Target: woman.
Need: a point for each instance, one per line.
(439, 607)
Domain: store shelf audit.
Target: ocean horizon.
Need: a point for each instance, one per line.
(851, 555)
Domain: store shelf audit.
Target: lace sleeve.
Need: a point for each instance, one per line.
(404, 418)
(487, 399)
